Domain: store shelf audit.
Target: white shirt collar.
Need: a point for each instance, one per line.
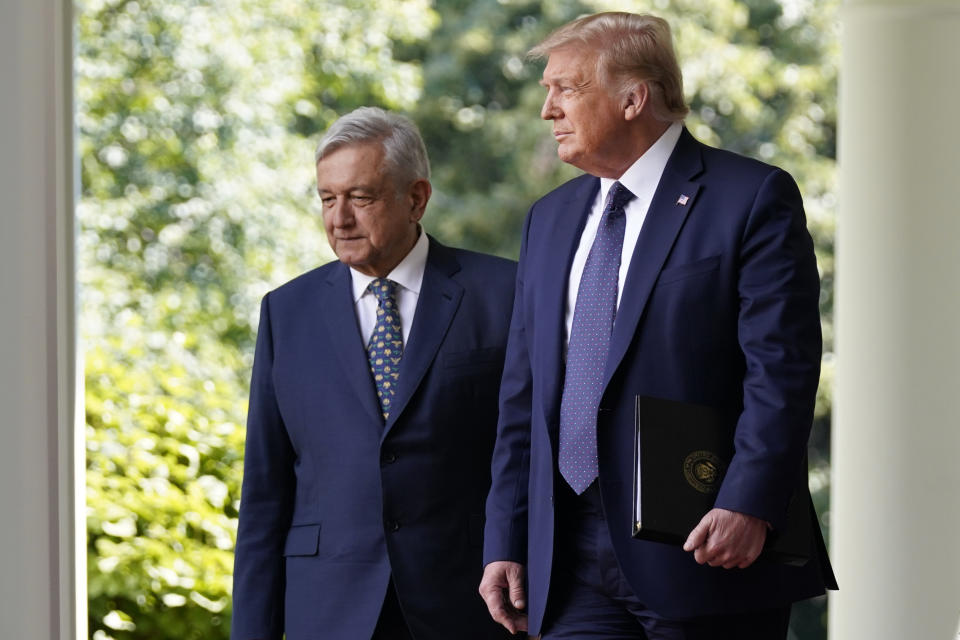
(408, 274)
(644, 174)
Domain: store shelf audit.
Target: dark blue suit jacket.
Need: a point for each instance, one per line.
(719, 308)
(334, 502)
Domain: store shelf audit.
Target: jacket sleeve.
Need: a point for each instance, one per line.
(266, 503)
(505, 532)
(779, 335)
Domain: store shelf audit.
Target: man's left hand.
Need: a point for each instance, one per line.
(727, 539)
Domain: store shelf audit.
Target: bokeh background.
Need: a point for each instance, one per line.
(197, 121)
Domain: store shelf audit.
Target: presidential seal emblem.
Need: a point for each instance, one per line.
(704, 471)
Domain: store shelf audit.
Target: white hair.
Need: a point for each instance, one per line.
(405, 155)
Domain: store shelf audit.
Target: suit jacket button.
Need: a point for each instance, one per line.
(393, 525)
(388, 457)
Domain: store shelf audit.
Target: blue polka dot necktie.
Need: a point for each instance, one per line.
(589, 344)
(385, 348)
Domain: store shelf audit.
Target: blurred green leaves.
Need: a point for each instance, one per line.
(197, 197)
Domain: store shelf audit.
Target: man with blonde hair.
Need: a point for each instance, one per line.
(672, 270)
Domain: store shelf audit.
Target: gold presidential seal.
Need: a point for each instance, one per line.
(704, 470)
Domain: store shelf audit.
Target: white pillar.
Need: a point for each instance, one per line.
(895, 515)
(39, 548)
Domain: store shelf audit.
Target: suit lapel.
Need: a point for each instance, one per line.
(672, 202)
(341, 319)
(570, 216)
(436, 306)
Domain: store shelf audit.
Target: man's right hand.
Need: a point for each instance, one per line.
(502, 590)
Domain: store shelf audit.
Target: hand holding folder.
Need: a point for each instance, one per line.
(682, 454)
(727, 539)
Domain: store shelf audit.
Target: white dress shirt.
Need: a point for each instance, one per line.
(641, 179)
(409, 277)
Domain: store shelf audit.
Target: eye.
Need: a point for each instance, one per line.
(328, 200)
(361, 200)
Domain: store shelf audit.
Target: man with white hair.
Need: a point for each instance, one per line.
(672, 270)
(373, 409)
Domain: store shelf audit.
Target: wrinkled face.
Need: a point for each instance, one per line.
(370, 226)
(588, 122)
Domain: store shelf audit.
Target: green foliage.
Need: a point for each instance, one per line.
(197, 197)
(164, 447)
(197, 121)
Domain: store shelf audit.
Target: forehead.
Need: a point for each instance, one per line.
(570, 63)
(351, 165)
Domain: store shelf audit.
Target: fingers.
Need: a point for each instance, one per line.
(711, 554)
(727, 539)
(502, 590)
(506, 615)
(698, 536)
(754, 550)
(519, 622)
(516, 593)
(492, 595)
(517, 599)
(509, 618)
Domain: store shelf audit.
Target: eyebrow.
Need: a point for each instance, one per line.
(351, 189)
(573, 81)
(562, 75)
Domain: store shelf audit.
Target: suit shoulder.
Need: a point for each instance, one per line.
(567, 189)
(476, 258)
(303, 283)
(730, 164)
(486, 265)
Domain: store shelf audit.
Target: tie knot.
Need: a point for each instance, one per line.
(617, 197)
(384, 289)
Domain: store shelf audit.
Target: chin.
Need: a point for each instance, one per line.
(350, 260)
(566, 156)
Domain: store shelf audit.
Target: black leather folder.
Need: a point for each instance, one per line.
(682, 454)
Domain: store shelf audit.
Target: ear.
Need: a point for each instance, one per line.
(418, 196)
(636, 101)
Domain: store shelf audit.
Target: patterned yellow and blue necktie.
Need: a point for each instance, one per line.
(386, 343)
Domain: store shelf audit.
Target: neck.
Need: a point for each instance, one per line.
(382, 271)
(644, 135)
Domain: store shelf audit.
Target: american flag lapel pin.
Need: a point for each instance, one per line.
(682, 200)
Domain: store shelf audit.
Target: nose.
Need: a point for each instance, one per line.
(342, 214)
(549, 109)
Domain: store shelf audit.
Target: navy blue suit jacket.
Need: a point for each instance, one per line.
(334, 501)
(720, 307)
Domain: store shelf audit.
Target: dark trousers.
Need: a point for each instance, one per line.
(590, 597)
(391, 624)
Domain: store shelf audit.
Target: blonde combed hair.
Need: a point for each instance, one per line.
(630, 48)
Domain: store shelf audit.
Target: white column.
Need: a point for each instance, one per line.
(39, 547)
(895, 515)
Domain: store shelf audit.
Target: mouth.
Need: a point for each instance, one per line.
(560, 135)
